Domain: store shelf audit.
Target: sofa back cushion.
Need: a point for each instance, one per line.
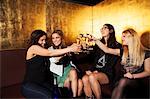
(12, 66)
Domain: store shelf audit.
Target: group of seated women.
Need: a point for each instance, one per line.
(38, 80)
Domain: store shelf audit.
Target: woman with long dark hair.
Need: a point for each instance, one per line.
(38, 80)
(102, 72)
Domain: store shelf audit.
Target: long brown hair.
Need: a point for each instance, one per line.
(35, 36)
(112, 39)
(62, 44)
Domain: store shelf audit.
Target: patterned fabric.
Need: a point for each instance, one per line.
(136, 69)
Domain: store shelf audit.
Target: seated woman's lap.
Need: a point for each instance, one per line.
(101, 77)
(72, 74)
(132, 88)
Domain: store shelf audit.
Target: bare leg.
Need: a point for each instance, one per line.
(67, 83)
(73, 79)
(95, 86)
(80, 86)
(96, 79)
(87, 86)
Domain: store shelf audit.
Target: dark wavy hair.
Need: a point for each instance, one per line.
(112, 39)
(35, 36)
(62, 44)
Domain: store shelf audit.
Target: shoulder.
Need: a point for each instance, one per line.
(34, 47)
(147, 54)
(31, 51)
(118, 45)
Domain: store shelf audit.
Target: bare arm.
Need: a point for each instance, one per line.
(145, 73)
(38, 50)
(106, 49)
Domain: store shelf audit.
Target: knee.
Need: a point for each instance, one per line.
(85, 79)
(92, 77)
(122, 83)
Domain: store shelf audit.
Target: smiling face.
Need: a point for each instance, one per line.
(42, 40)
(56, 39)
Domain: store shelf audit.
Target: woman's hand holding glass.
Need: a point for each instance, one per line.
(75, 47)
(86, 41)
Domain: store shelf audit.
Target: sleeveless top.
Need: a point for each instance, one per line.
(37, 70)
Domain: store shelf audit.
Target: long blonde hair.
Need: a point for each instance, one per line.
(134, 49)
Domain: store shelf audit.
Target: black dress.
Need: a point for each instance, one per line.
(37, 70)
(38, 80)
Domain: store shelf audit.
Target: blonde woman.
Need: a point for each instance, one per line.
(136, 62)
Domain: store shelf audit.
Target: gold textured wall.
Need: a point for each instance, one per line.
(18, 18)
(122, 14)
(71, 18)
(75, 18)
